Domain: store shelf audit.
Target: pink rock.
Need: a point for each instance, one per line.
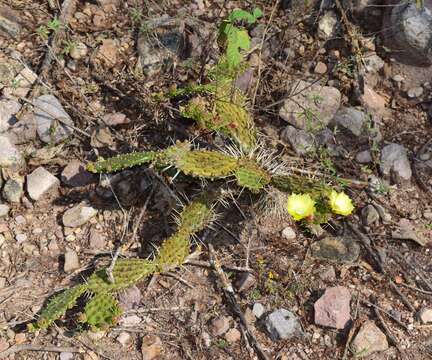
(115, 119)
(75, 174)
(333, 308)
(374, 102)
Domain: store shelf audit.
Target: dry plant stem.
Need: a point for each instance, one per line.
(126, 245)
(67, 10)
(402, 296)
(401, 259)
(400, 323)
(178, 278)
(416, 289)
(387, 331)
(276, 3)
(233, 304)
(352, 329)
(207, 264)
(29, 347)
(367, 244)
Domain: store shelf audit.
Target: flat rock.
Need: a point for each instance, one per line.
(282, 324)
(333, 308)
(107, 53)
(258, 310)
(321, 104)
(369, 339)
(364, 157)
(41, 182)
(373, 63)
(373, 102)
(115, 119)
(23, 82)
(78, 215)
(66, 355)
(124, 338)
(343, 250)
(245, 281)
(47, 110)
(8, 108)
(13, 189)
(301, 141)
(289, 233)
(394, 163)
(24, 130)
(10, 156)
(96, 239)
(232, 336)
(71, 261)
(167, 44)
(76, 175)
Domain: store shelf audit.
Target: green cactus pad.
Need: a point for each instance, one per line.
(199, 163)
(58, 306)
(251, 176)
(197, 215)
(121, 162)
(101, 311)
(173, 251)
(126, 272)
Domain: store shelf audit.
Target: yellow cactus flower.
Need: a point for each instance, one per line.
(300, 206)
(340, 203)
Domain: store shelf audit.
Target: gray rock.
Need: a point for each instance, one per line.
(114, 119)
(10, 156)
(22, 84)
(76, 175)
(132, 320)
(4, 210)
(96, 239)
(373, 63)
(364, 157)
(395, 163)
(24, 130)
(13, 189)
(368, 340)
(130, 298)
(124, 338)
(220, 326)
(351, 119)
(9, 22)
(301, 141)
(425, 315)
(71, 261)
(369, 215)
(310, 106)
(65, 355)
(258, 310)
(166, 43)
(8, 108)
(288, 233)
(245, 281)
(327, 25)
(415, 92)
(327, 273)
(332, 309)
(283, 324)
(343, 250)
(410, 35)
(47, 110)
(78, 215)
(41, 182)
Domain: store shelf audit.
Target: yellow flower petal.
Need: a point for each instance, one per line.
(300, 206)
(340, 203)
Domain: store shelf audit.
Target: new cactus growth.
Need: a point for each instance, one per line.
(121, 162)
(102, 311)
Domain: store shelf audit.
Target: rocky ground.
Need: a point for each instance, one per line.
(341, 91)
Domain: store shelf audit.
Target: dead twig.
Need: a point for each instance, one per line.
(30, 347)
(396, 320)
(230, 297)
(207, 264)
(402, 296)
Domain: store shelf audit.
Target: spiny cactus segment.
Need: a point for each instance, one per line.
(121, 162)
(101, 312)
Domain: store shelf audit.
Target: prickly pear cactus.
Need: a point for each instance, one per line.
(174, 251)
(251, 176)
(199, 163)
(126, 272)
(121, 162)
(102, 311)
(58, 306)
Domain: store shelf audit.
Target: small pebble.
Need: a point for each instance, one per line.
(232, 336)
(320, 68)
(124, 338)
(20, 238)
